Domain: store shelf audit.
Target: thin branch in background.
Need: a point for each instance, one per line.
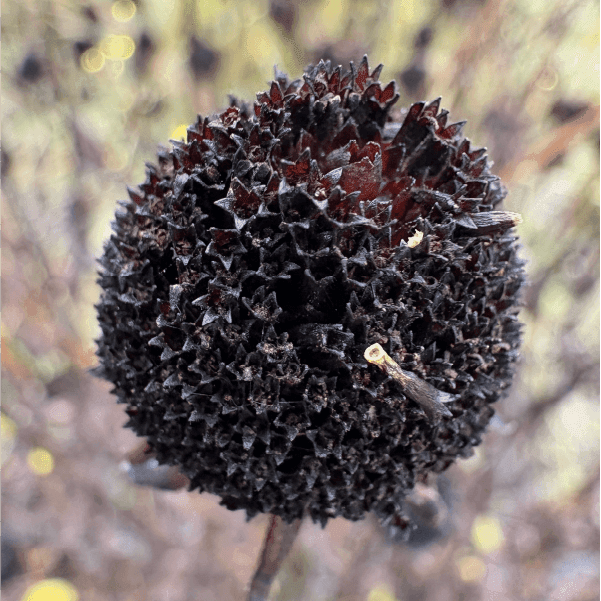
(542, 152)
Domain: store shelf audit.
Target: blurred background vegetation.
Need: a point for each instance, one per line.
(89, 90)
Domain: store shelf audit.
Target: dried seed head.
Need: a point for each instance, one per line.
(259, 260)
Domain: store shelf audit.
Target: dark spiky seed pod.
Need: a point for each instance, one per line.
(247, 276)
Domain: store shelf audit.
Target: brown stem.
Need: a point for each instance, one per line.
(279, 539)
(141, 453)
(142, 472)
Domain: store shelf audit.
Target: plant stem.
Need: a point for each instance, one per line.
(279, 539)
(425, 395)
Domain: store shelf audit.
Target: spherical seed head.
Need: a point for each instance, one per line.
(259, 260)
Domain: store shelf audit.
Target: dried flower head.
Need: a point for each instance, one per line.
(248, 275)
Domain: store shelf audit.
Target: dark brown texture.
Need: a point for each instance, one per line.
(247, 276)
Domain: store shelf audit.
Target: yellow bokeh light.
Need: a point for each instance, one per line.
(53, 589)
(9, 433)
(380, 593)
(40, 461)
(92, 60)
(471, 569)
(487, 534)
(548, 80)
(123, 10)
(117, 47)
(179, 133)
